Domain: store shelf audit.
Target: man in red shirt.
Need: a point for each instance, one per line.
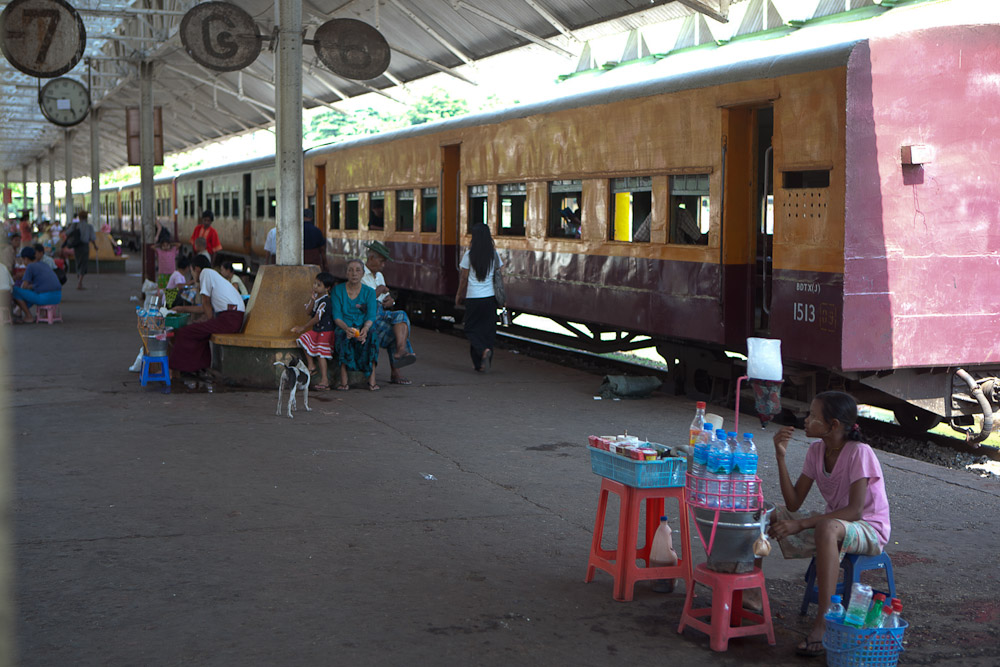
(205, 230)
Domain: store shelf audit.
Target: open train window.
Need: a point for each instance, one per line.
(512, 207)
(376, 210)
(225, 206)
(405, 207)
(272, 203)
(429, 204)
(351, 212)
(478, 205)
(334, 211)
(235, 197)
(816, 178)
(631, 208)
(690, 207)
(261, 203)
(565, 209)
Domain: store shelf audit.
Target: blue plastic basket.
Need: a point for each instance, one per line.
(847, 646)
(640, 474)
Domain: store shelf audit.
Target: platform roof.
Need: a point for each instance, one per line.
(201, 105)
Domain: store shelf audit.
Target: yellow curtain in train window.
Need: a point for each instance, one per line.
(623, 217)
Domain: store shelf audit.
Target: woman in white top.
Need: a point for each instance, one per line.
(221, 311)
(476, 290)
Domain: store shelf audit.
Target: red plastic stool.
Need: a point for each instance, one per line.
(727, 613)
(621, 563)
(48, 314)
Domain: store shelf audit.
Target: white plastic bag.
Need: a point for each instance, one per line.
(764, 359)
(137, 366)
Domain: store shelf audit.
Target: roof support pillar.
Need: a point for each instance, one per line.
(68, 199)
(288, 102)
(39, 212)
(95, 169)
(52, 185)
(146, 158)
(24, 191)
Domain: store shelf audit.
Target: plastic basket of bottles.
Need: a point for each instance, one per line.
(657, 468)
(738, 493)
(847, 646)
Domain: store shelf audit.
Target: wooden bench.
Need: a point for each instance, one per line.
(277, 303)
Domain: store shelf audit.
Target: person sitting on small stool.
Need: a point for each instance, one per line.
(40, 285)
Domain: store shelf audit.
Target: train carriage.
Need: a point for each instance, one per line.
(833, 199)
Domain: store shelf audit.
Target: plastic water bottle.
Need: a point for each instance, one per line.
(887, 618)
(894, 619)
(857, 608)
(875, 611)
(836, 611)
(720, 465)
(662, 554)
(697, 424)
(699, 461)
(745, 472)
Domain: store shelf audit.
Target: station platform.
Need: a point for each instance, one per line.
(443, 523)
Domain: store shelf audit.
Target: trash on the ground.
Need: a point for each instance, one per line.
(624, 386)
(428, 476)
(597, 398)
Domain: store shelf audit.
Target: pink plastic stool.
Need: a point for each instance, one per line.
(48, 314)
(727, 613)
(621, 563)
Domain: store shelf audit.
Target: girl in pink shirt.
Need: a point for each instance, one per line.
(849, 477)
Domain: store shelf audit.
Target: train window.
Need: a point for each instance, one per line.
(225, 206)
(512, 208)
(565, 207)
(272, 203)
(261, 204)
(477, 205)
(690, 209)
(334, 211)
(631, 208)
(351, 212)
(235, 197)
(218, 205)
(429, 202)
(376, 210)
(405, 207)
(817, 178)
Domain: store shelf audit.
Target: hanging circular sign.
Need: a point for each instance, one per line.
(220, 36)
(43, 38)
(352, 49)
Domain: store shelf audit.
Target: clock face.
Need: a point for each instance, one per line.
(64, 101)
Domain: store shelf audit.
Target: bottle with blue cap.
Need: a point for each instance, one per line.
(745, 471)
(720, 465)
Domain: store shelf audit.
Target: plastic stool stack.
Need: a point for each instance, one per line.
(852, 565)
(48, 314)
(162, 375)
(621, 562)
(726, 615)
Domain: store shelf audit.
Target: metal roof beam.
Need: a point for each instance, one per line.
(513, 28)
(551, 18)
(703, 7)
(433, 33)
(437, 66)
(262, 107)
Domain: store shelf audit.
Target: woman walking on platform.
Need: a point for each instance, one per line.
(475, 289)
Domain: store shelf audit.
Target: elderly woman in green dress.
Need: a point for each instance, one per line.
(354, 312)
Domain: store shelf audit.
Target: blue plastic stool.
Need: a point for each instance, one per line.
(162, 375)
(852, 565)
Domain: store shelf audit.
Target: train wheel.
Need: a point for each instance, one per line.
(914, 419)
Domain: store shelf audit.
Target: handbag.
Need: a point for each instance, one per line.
(73, 237)
(499, 293)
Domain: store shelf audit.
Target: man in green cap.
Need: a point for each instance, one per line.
(392, 327)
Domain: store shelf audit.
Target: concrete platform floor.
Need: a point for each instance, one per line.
(444, 523)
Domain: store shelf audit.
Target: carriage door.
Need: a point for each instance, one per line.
(747, 227)
(449, 207)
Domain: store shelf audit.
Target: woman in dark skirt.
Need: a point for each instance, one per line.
(475, 290)
(354, 311)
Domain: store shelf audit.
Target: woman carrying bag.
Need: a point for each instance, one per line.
(481, 267)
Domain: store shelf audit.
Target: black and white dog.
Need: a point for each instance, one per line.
(295, 376)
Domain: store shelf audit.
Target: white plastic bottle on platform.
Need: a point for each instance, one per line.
(697, 424)
(836, 611)
(699, 461)
(662, 554)
(857, 608)
(745, 472)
